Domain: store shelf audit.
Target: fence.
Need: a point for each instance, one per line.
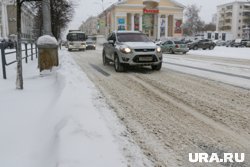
(28, 52)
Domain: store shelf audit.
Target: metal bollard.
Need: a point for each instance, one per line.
(3, 60)
(36, 50)
(26, 53)
(31, 51)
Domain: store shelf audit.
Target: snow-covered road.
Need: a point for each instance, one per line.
(171, 113)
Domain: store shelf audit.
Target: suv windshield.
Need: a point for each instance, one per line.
(132, 37)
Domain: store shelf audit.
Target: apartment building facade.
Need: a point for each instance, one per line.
(234, 18)
(156, 18)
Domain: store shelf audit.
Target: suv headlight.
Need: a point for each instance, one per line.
(158, 49)
(125, 50)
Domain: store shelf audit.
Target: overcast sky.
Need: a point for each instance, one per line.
(86, 8)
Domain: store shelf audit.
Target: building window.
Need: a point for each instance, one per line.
(240, 7)
(238, 35)
(209, 35)
(239, 21)
(216, 36)
(239, 28)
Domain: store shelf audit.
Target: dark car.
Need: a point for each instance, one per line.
(203, 44)
(245, 42)
(230, 43)
(90, 45)
(7, 44)
(11, 44)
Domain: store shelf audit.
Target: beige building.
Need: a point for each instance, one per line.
(233, 18)
(156, 18)
(90, 26)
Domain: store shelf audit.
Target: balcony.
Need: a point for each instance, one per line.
(246, 8)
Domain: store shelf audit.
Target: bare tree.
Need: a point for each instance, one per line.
(193, 24)
(209, 27)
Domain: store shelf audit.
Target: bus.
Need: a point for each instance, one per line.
(76, 40)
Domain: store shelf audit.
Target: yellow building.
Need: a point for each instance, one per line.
(156, 18)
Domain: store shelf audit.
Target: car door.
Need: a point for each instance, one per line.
(113, 46)
(108, 46)
(201, 44)
(164, 46)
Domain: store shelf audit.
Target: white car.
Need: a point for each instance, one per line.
(131, 48)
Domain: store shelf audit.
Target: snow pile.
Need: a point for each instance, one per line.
(47, 40)
(53, 121)
(228, 52)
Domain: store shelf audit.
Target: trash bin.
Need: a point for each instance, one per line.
(47, 52)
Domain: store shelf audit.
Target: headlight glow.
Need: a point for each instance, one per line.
(158, 49)
(125, 50)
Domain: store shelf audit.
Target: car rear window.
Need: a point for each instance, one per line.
(179, 42)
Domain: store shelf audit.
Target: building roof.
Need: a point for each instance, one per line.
(123, 2)
(232, 3)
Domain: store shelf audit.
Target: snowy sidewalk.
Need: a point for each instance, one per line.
(56, 121)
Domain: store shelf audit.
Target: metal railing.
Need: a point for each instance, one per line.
(26, 53)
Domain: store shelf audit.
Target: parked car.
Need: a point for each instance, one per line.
(7, 43)
(172, 46)
(90, 45)
(230, 43)
(248, 43)
(244, 42)
(131, 48)
(203, 44)
(220, 42)
(11, 44)
(237, 43)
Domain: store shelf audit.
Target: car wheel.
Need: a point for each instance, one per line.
(195, 47)
(211, 47)
(156, 67)
(117, 65)
(171, 51)
(104, 59)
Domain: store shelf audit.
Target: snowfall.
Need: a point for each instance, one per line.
(61, 119)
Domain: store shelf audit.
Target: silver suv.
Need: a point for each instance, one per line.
(131, 48)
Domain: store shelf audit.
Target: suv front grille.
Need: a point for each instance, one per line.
(144, 50)
(145, 58)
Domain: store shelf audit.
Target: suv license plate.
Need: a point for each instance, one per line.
(145, 58)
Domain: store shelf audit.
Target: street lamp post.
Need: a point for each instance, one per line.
(46, 18)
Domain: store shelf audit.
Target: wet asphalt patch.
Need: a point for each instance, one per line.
(100, 70)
